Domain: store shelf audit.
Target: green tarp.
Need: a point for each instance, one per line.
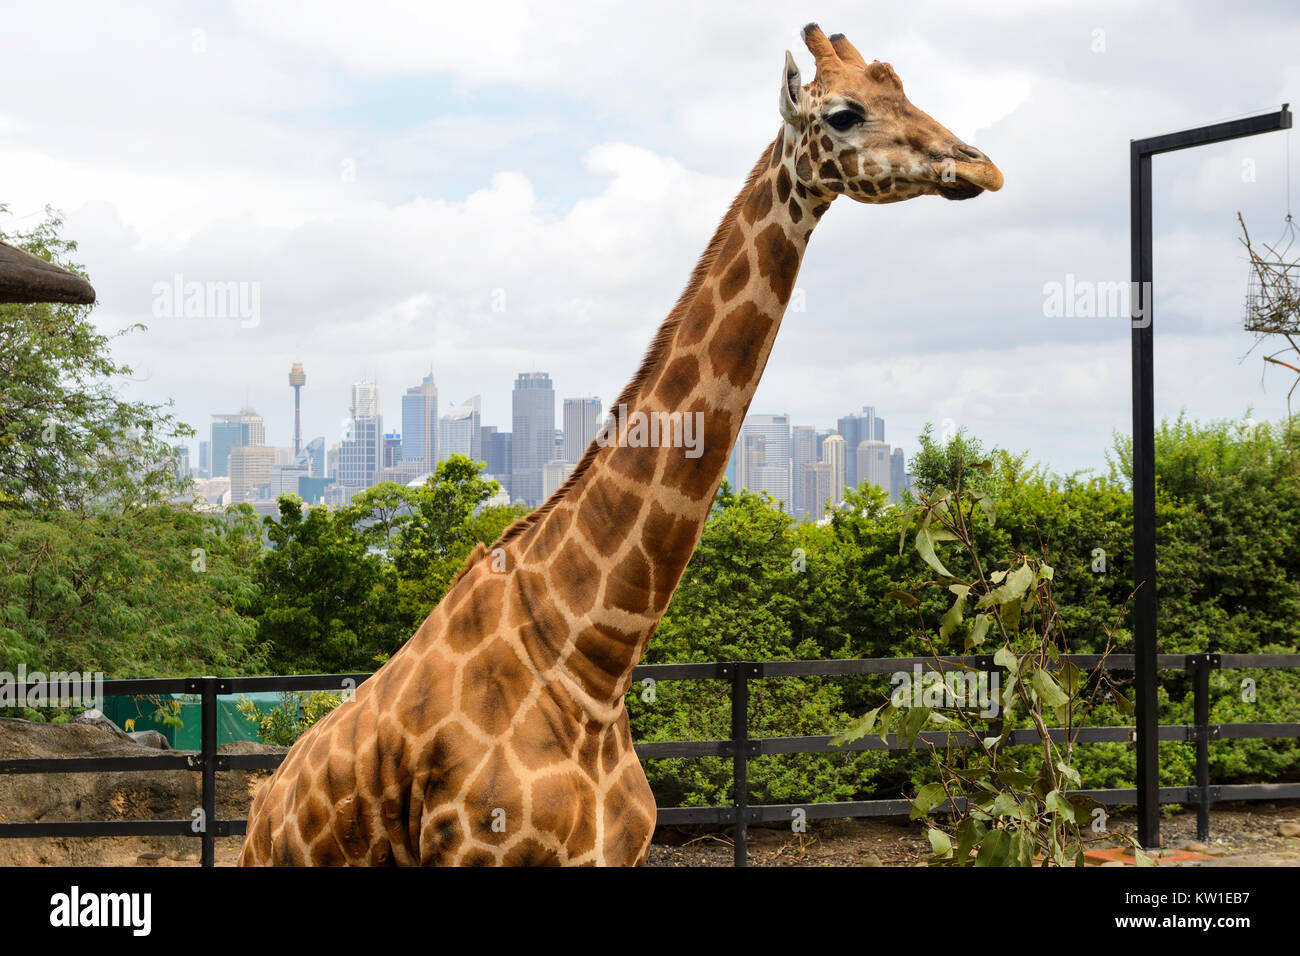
(231, 724)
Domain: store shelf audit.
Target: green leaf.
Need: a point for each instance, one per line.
(1070, 773)
(858, 728)
(1058, 804)
(925, 548)
(927, 798)
(987, 506)
(1006, 658)
(995, 849)
(940, 843)
(1123, 704)
(952, 619)
(916, 718)
(979, 632)
(903, 597)
(1048, 690)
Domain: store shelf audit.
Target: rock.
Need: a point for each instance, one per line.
(872, 860)
(148, 859)
(150, 738)
(1288, 828)
(1114, 863)
(96, 718)
(1196, 846)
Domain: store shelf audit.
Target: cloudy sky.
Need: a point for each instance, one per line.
(483, 189)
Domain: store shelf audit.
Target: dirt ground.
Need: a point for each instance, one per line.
(1240, 835)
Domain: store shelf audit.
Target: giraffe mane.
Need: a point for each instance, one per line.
(662, 340)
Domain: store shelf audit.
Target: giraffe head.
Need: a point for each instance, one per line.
(855, 132)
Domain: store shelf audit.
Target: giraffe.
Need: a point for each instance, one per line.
(497, 735)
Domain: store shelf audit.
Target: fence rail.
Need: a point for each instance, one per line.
(740, 746)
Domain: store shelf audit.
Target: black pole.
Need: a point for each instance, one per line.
(208, 742)
(1144, 479)
(1201, 703)
(740, 759)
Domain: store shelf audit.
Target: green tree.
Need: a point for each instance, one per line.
(323, 605)
(67, 440)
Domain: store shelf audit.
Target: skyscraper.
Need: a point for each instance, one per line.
(459, 432)
(250, 468)
(533, 435)
(420, 424)
(775, 432)
(897, 475)
(232, 431)
(835, 455)
(496, 455)
(874, 464)
(361, 454)
(581, 423)
(803, 451)
(816, 483)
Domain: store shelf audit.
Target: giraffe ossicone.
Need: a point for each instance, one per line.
(498, 734)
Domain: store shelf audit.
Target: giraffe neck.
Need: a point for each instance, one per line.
(613, 542)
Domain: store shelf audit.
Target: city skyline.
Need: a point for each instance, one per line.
(772, 454)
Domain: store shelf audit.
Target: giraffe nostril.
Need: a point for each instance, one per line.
(969, 152)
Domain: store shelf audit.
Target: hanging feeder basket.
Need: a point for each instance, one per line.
(1272, 290)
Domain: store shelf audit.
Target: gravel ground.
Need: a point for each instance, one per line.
(1240, 835)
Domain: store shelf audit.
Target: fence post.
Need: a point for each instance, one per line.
(208, 725)
(740, 758)
(1200, 666)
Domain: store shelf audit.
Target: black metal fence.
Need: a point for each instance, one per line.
(740, 747)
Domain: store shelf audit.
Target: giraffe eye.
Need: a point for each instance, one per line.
(843, 119)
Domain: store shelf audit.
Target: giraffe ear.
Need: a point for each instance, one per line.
(791, 93)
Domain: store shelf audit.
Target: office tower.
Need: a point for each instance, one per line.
(772, 452)
(361, 454)
(753, 455)
(297, 379)
(420, 424)
(332, 462)
(231, 431)
(582, 422)
(816, 483)
(459, 431)
(250, 468)
(835, 454)
(392, 450)
(803, 451)
(496, 456)
(533, 435)
(873, 426)
(732, 474)
(284, 479)
(557, 453)
(205, 459)
(365, 400)
(554, 474)
(874, 464)
(182, 453)
(775, 480)
(854, 430)
(897, 475)
(313, 456)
